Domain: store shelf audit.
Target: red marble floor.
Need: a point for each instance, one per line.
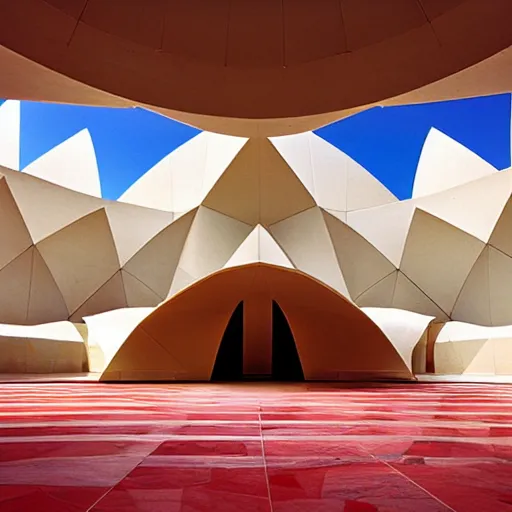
(196, 448)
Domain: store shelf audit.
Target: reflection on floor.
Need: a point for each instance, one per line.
(72, 447)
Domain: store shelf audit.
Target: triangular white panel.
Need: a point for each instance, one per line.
(46, 303)
(380, 294)
(306, 241)
(361, 264)
(137, 293)
(296, 151)
(474, 301)
(270, 252)
(72, 164)
(155, 264)
(180, 181)
(212, 240)
(81, 257)
(500, 284)
(336, 181)
(438, 258)
(220, 152)
(45, 207)
(15, 281)
(14, 236)
(363, 190)
(445, 163)
(180, 281)
(152, 189)
(259, 187)
(408, 296)
(110, 296)
(132, 227)
(259, 246)
(10, 131)
(474, 207)
(385, 227)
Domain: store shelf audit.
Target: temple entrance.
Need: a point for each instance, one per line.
(257, 344)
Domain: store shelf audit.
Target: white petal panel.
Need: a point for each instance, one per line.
(72, 164)
(445, 163)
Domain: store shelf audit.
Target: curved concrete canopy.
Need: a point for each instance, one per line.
(180, 339)
(205, 61)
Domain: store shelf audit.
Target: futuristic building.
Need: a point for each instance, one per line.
(256, 230)
(253, 228)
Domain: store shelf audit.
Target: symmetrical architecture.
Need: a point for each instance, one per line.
(289, 221)
(256, 244)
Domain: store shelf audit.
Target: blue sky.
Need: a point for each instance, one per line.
(386, 141)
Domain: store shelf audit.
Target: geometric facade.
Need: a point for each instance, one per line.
(218, 205)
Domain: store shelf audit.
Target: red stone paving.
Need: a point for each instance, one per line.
(79, 447)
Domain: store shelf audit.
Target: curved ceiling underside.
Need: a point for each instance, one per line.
(180, 339)
(204, 61)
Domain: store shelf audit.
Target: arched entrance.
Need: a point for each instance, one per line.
(181, 338)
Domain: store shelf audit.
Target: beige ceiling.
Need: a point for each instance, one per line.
(265, 67)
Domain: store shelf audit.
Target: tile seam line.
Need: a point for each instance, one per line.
(110, 489)
(265, 468)
(418, 486)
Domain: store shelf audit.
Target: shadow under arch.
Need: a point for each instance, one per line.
(180, 339)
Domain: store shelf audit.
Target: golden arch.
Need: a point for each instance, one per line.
(180, 339)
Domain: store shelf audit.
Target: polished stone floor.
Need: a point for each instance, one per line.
(76, 447)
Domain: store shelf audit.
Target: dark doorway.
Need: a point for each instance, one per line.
(229, 364)
(286, 364)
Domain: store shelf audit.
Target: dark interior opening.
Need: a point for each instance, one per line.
(229, 364)
(286, 364)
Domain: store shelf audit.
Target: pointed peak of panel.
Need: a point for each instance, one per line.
(445, 163)
(259, 187)
(180, 181)
(474, 207)
(259, 247)
(153, 188)
(46, 208)
(335, 180)
(72, 164)
(364, 190)
(10, 133)
(197, 165)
